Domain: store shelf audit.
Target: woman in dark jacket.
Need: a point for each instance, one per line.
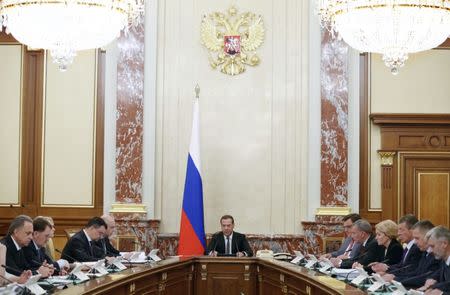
(386, 236)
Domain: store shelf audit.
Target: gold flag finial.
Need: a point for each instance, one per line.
(197, 91)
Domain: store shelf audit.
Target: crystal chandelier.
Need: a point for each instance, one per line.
(392, 28)
(66, 26)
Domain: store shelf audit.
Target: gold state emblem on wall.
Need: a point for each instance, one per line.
(232, 40)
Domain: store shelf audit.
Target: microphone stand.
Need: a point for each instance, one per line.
(71, 276)
(23, 290)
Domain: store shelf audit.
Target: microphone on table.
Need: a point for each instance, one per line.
(214, 236)
(68, 256)
(355, 259)
(359, 256)
(110, 266)
(399, 269)
(237, 248)
(12, 270)
(136, 243)
(376, 262)
(134, 231)
(74, 260)
(23, 290)
(137, 236)
(346, 277)
(411, 279)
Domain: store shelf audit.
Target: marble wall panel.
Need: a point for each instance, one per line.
(132, 227)
(130, 112)
(334, 121)
(309, 243)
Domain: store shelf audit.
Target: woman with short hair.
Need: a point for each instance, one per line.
(386, 236)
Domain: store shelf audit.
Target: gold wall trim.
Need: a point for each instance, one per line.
(19, 191)
(94, 135)
(340, 211)
(128, 208)
(387, 158)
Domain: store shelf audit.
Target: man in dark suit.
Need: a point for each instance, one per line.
(439, 243)
(411, 253)
(19, 235)
(369, 252)
(81, 246)
(35, 252)
(415, 276)
(348, 248)
(104, 245)
(228, 242)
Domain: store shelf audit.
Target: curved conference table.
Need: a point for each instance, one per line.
(214, 276)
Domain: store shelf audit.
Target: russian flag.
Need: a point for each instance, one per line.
(192, 230)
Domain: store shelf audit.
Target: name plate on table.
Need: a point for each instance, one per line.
(310, 263)
(401, 290)
(78, 273)
(359, 279)
(296, 260)
(153, 255)
(298, 257)
(325, 268)
(100, 270)
(375, 286)
(117, 263)
(32, 285)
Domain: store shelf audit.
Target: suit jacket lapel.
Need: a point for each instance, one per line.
(220, 243)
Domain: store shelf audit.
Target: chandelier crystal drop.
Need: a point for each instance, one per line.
(66, 26)
(392, 28)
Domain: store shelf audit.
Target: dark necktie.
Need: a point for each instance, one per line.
(227, 246)
(405, 253)
(446, 272)
(104, 246)
(39, 255)
(362, 250)
(90, 248)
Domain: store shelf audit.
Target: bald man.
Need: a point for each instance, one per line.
(104, 247)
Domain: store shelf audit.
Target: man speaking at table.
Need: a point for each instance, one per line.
(228, 242)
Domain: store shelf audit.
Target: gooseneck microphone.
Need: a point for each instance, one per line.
(23, 291)
(12, 270)
(237, 247)
(60, 252)
(394, 271)
(355, 259)
(74, 260)
(350, 272)
(214, 238)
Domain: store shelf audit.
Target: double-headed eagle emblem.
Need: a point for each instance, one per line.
(232, 40)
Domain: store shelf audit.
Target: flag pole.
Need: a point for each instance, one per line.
(197, 91)
(192, 239)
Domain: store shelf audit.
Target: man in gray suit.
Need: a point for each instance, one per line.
(348, 248)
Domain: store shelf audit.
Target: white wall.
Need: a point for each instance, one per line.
(254, 137)
(260, 131)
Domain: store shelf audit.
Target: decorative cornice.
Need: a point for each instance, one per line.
(410, 119)
(335, 211)
(387, 157)
(128, 208)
